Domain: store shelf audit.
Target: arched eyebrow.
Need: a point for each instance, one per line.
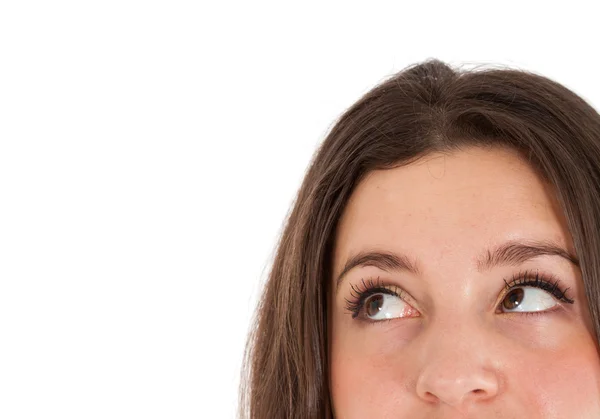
(509, 253)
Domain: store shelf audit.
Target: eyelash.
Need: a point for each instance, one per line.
(365, 289)
(526, 278)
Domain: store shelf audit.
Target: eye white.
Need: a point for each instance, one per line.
(534, 299)
(391, 307)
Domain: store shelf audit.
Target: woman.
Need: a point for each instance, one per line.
(441, 259)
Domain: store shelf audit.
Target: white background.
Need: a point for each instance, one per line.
(149, 153)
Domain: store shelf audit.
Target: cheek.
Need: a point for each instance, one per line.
(565, 383)
(365, 386)
(370, 372)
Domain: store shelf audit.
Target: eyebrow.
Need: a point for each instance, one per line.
(509, 253)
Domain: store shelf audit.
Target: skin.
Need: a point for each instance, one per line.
(456, 354)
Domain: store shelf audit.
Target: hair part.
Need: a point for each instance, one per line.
(424, 108)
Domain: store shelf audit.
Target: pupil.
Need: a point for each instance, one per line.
(374, 304)
(513, 298)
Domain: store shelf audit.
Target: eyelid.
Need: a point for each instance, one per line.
(541, 280)
(371, 286)
(545, 281)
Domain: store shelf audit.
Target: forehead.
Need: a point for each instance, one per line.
(450, 203)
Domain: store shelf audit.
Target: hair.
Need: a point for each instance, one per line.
(424, 108)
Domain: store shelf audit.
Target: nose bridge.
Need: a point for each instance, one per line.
(457, 362)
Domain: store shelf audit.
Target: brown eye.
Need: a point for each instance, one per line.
(383, 306)
(513, 299)
(527, 299)
(373, 304)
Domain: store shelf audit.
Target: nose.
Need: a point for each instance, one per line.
(457, 388)
(458, 369)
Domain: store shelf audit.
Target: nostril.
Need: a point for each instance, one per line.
(468, 386)
(430, 397)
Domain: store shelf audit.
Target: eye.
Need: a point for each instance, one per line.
(383, 306)
(373, 300)
(525, 299)
(530, 292)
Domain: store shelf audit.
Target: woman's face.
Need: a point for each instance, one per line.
(467, 301)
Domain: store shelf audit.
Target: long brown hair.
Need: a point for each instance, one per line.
(424, 108)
